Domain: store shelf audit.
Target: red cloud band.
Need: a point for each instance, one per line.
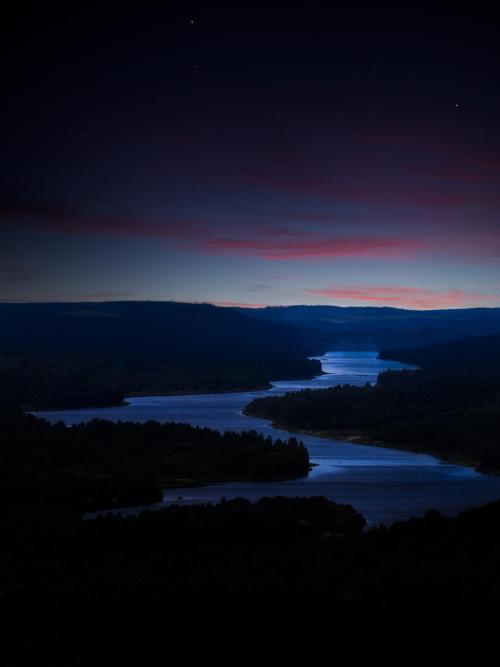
(280, 243)
(318, 247)
(405, 297)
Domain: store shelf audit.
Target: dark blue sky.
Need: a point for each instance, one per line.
(273, 154)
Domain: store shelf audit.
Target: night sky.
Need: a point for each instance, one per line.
(268, 154)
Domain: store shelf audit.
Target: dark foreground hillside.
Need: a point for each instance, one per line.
(278, 553)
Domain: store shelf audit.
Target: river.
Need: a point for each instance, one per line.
(385, 485)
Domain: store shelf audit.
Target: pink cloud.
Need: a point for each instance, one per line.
(404, 297)
(56, 218)
(278, 242)
(369, 189)
(312, 246)
(389, 168)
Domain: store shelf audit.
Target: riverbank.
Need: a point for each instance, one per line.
(138, 394)
(167, 484)
(102, 465)
(448, 413)
(186, 392)
(352, 437)
(180, 392)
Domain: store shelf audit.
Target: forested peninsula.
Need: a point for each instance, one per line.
(103, 465)
(449, 407)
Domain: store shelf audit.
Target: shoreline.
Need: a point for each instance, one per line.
(143, 395)
(184, 484)
(75, 407)
(194, 484)
(359, 438)
(181, 392)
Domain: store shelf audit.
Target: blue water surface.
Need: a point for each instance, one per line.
(385, 485)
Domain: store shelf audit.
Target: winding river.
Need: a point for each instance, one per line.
(385, 485)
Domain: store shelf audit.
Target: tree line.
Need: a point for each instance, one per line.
(453, 411)
(101, 464)
(91, 380)
(278, 551)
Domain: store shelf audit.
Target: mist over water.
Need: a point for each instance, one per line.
(385, 485)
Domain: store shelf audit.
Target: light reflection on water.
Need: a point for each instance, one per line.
(383, 484)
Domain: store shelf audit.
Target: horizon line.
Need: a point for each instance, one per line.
(240, 306)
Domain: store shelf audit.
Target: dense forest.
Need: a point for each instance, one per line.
(188, 331)
(279, 551)
(103, 465)
(453, 412)
(79, 355)
(78, 381)
(375, 328)
(477, 353)
(161, 330)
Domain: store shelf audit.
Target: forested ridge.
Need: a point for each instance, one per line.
(80, 355)
(477, 353)
(80, 381)
(60, 355)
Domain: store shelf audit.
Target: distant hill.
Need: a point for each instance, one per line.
(466, 352)
(375, 328)
(166, 330)
(89, 354)
(196, 331)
